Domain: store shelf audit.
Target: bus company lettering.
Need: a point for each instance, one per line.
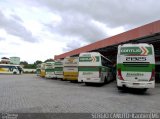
(134, 74)
(130, 50)
(87, 73)
(136, 51)
(85, 58)
(71, 62)
(89, 59)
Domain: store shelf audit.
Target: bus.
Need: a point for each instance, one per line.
(58, 69)
(10, 69)
(38, 69)
(20, 69)
(70, 69)
(49, 69)
(94, 68)
(42, 68)
(136, 66)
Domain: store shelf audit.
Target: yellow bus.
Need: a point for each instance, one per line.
(70, 69)
(42, 70)
(10, 69)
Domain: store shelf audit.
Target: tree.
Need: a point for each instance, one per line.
(24, 63)
(37, 62)
(30, 66)
(49, 60)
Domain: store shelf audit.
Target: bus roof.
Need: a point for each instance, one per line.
(93, 53)
(9, 64)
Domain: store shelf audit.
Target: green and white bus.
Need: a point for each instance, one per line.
(38, 69)
(10, 69)
(49, 69)
(136, 66)
(58, 69)
(94, 68)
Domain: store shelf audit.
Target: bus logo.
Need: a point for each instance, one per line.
(94, 59)
(143, 51)
(71, 60)
(89, 59)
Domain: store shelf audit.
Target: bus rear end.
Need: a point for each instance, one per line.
(89, 68)
(42, 72)
(70, 73)
(49, 69)
(58, 69)
(70, 69)
(136, 66)
(38, 69)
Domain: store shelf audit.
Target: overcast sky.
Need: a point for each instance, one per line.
(39, 29)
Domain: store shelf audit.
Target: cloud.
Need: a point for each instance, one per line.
(2, 38)
(71, 23)
(77, 26)
(14, 27)
(3, 54)
(73, 44)
(112, 12)
(77, 16)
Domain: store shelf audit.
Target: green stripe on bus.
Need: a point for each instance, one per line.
(103, 69)
(58, 63)
(58, 69)
(49, 70)
(136, 67)
(88, 69)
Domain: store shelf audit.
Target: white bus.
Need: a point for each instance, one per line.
(136, 66)
(49, 69)
(94, 68)
(10, 69)
(70, 69)
(42, 70)
(58, 69)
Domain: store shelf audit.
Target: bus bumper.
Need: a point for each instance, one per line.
(49, 75)
(69, 78)
(59, 76)
(149, 84)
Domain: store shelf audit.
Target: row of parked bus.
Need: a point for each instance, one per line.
(135, 67)
(88, 67)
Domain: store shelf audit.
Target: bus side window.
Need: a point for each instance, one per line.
(105, 62)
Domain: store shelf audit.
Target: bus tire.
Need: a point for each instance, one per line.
(14, 72)
(87, 83)
(105, 80)
(119, 88)
(144, 90)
